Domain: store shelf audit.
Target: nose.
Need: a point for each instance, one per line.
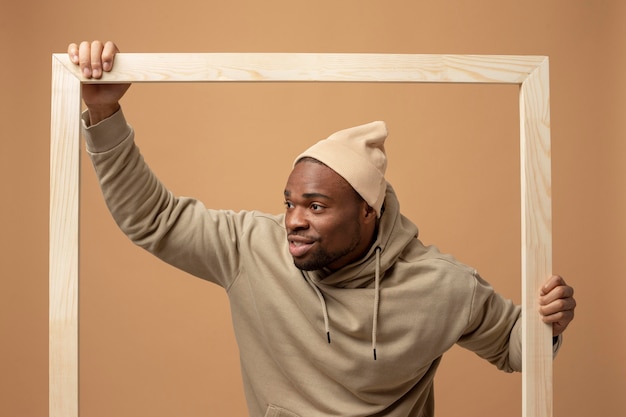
(295, 219)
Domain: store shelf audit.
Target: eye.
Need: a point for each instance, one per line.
(288, 204)
(316, 207)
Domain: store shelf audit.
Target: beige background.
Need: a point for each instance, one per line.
(157, 342)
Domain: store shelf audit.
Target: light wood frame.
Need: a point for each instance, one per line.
(531, 73)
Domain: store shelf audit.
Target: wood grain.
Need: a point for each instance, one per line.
(536, 215)
(63, 262)
(422, 68)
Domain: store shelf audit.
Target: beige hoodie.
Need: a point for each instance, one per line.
(408, 301)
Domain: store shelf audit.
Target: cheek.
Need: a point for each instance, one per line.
(342, 232)
(327, 230)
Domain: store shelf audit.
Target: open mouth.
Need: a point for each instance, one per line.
(299, 246)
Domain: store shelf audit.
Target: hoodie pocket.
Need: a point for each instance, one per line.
(274, 411)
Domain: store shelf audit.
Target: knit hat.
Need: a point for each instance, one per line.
(358, 155)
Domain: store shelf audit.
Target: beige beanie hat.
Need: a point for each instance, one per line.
(358, 155)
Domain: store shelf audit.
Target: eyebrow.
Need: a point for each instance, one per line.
(309, 195)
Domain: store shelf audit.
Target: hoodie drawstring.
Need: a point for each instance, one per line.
(322, 301)
(376, 300)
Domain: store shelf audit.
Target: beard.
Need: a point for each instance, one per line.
(322, 258)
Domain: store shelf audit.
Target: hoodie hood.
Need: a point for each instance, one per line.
(395, 232)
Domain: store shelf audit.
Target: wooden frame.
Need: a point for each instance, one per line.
(531, 73)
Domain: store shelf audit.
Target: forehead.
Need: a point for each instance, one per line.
(309, 177)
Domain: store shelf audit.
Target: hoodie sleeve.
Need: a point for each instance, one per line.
(494, 328)
(181, 231)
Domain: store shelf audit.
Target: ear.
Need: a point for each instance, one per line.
(369, 214)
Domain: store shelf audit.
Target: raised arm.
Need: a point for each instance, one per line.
(179, 230)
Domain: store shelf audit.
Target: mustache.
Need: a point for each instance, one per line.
(301, 235)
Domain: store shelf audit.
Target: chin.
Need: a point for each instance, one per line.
(307, 266)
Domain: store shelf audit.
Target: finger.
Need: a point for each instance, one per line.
(108, 55)
(559, 321)
(72, 52)
(84, 58)
(563, 318)
(560, 305)
(551, 283)
(96, 59)
(557, 293)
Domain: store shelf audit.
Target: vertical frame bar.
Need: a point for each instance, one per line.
(536, 215)
(63, 262)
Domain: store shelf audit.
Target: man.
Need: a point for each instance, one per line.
(337, 307)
